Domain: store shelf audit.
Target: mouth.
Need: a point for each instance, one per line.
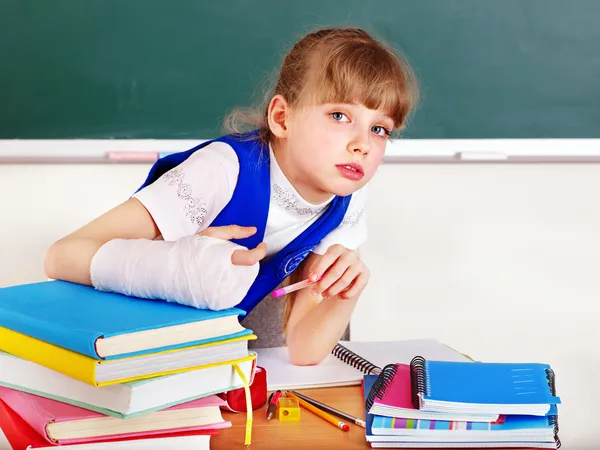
(351, 171)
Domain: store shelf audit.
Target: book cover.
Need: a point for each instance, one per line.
(39, 412)
(82, 367)
(21, 436)
(74, 316)
(123, 400)
(488, 383)
(393, 398)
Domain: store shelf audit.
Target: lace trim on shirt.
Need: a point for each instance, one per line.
(352, 219)
(287, 200)
(195, 207)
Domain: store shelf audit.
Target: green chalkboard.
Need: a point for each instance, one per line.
(172, 68)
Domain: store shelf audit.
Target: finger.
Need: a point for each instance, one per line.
(228, 232)
(359, 284)
(324, 262)
(335, 272)
(249, 257)
(344, 282)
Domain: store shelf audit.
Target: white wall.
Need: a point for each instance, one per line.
(499, 261)
(41, 203)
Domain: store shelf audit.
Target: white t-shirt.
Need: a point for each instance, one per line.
(186, 199)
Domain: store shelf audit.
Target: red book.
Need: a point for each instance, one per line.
(22, 437)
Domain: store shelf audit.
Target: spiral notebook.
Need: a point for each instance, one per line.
(349, 361)
(392, 397)
(484, 387)
(509, 432)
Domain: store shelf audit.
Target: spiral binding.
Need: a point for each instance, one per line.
(553, 419)
(553, 422)
(381, 384)
(551, 381)
(354, 360)
(418, 379)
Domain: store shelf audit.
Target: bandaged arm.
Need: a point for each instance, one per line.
(195, 271)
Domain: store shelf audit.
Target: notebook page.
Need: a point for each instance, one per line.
(282, 374)
(382, 353)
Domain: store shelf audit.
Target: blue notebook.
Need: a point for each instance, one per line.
(513, 430)
(506, 388)
(106, 325)
(368, 381)
(394, 425)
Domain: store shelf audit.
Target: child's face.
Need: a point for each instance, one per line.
(335, 148)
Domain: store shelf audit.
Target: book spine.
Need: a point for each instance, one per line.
(418, 380)
(28, 407)
(72, 364)
(39, 327)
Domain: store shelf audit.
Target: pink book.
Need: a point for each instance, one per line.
(21, 436)
(393, 398)
(61, 423)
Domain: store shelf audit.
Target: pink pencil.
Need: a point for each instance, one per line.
(293, 287)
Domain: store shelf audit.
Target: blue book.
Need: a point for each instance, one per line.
(482, 387)
(106, 325)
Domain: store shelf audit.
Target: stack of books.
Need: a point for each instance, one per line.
(90, 369)
(435, 404)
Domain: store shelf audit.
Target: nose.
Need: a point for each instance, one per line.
(359, 144)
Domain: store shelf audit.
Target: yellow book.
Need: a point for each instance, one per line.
(113, 371)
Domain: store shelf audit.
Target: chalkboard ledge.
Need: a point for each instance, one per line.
(463, 151)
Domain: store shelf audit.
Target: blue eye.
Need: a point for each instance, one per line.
(380, 131)
(339, 116)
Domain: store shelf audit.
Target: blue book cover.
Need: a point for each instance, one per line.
(74, 316)
(368, 381)
(488, 383)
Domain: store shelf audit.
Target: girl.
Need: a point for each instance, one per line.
(226, 222)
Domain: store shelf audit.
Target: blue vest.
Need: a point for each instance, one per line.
(249, 206)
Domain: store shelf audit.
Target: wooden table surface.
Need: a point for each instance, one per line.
(311, 432)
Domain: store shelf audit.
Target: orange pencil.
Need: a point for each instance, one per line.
(322, 414)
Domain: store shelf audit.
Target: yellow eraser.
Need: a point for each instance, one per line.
(289, 409)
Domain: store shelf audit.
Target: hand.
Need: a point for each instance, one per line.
(238, 257)
(344, 274)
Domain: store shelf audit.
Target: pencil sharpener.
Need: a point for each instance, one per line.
(289, 409)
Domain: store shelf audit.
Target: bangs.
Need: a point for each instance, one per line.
(363, 73)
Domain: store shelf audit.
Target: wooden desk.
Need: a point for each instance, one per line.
(311, 432)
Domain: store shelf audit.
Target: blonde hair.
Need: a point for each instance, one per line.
(336, 65)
